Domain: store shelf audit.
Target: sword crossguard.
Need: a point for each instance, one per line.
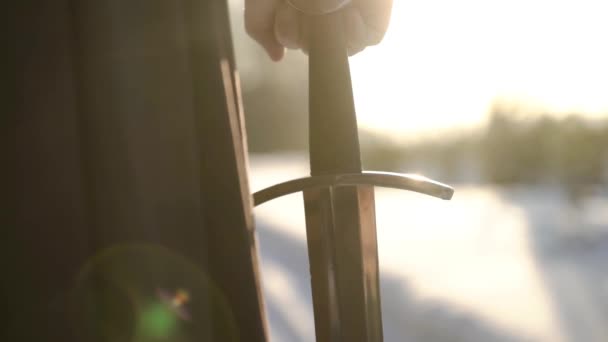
(409, 182)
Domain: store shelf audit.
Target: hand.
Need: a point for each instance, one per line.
(276, 25)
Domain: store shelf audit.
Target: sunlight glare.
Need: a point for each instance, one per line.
(443, 64)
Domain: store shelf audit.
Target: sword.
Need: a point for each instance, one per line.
(339, 196)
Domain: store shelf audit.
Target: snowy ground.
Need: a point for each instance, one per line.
(518, 264)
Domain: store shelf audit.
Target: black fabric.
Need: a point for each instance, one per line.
(122, 140)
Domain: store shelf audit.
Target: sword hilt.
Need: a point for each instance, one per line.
(333, 133)
(409, 182)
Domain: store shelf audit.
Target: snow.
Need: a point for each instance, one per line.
(493, 264)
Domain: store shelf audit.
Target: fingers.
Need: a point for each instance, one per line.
(276, 25)
(290, 31)
(376, 15)
(259, 24)
(287, 28)
(356, 32)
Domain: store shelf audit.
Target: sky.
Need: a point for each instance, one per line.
(444, 63)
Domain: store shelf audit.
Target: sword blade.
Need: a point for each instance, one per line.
(340, 221)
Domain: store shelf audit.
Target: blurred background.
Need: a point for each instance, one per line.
(505, 101)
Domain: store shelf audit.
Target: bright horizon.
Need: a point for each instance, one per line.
(443, 64)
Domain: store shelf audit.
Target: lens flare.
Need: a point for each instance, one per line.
(176, 301)
(138, 293)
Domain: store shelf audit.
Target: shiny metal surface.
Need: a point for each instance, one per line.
(409, 182)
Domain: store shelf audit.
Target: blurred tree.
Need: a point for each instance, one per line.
(516, 147)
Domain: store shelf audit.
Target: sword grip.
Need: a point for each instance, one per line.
(333, 134)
